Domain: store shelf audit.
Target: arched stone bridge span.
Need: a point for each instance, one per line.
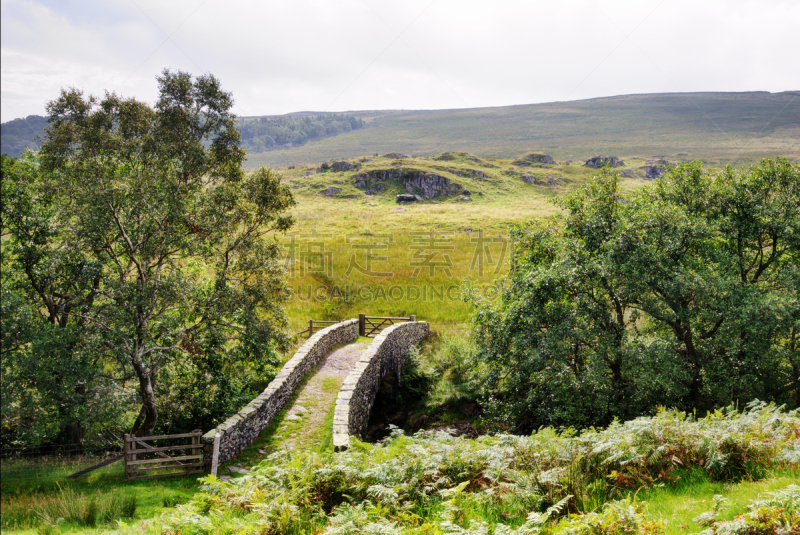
(383, 356)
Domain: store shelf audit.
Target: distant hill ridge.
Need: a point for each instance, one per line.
(717, 127)
(258, 133)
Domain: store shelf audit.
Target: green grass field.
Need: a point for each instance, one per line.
(717, 128)
(467, 241)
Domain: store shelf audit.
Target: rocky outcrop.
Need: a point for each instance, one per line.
(331, 191)
(655, 169)
(474, 173)
(600, 161)
(396, 155)
(338, 166)
(342, 166)
(377, 188)
(534, 158)
(549, 180)
(416, 182)
(241, 429)
(384, 356)
(408, 197)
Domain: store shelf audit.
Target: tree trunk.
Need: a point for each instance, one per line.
(148, 415)
(72, 431)
(683, 333)
(696, 387)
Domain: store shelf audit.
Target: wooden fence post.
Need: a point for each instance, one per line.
(215, 455)
(413, 317)
(125, 448)
(196, 450)
(310, 328)
(362, 329)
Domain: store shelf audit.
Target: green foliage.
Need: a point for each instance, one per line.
(433, 482)
(141, 254)
(685, 294)
(54, 386)
(171, 501)
(412, 392)
(616, 518)
(416, 381)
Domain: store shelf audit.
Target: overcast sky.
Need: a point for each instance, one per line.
(278, 56)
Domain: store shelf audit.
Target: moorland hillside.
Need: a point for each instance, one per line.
(718, 128)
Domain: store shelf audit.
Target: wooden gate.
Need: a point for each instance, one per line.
(371, 325)
(142, 459)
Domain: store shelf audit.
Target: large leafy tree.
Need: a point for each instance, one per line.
(684, 294)
(178, 237)
(49, 365)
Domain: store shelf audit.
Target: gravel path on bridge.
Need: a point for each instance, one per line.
(303, 425)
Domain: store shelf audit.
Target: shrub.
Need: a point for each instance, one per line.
(455, 483)
(681, 294)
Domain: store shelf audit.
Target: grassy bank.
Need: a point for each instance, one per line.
(678, 504)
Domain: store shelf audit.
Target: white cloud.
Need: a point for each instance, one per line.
(284, 56)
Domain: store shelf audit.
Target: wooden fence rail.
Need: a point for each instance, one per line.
(311, 323)
(141, 457)
(368, 326)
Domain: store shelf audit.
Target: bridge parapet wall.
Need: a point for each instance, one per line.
(241, 429)
(384, 355)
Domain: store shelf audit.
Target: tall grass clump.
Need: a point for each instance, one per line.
(70, 506)
(548, 482)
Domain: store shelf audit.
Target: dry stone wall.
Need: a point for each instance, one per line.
(357, 395)
(241, 429)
